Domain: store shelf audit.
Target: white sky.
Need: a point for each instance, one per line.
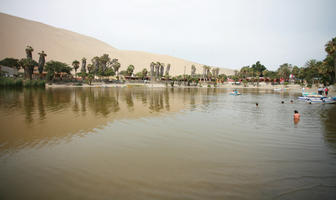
(220, 33)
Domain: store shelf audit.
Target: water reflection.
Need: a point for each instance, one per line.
(329, 116)
(45, 114)
(38, 114)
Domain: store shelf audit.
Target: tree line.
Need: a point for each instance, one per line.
(103, 66)
(314, 71)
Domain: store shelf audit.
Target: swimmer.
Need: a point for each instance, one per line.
(296, 115)
(257, 104)
(292, 101)
(282, 102)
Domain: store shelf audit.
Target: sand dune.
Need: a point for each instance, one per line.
(63, 45)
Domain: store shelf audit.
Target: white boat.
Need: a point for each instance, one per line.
(306, 95)
(327, 100)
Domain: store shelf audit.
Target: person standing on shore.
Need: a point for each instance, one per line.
(326, 90)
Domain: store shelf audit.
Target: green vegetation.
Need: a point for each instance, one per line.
(75, 65)
(19, 83)
(28, 65)
(313, 72)
(10, 62)
(34, 83)
(55, 68)
(10, 83)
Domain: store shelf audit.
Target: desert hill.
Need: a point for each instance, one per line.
(63, 45)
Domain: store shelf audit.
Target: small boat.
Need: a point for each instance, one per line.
(327, 100)
(310, 97)
(235, 93)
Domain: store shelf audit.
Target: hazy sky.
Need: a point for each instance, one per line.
(220, 33)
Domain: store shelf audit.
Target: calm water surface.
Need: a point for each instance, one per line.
(110, 143)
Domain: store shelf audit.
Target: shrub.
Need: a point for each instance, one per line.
(77, 84)
(34, 83)
(27, 83)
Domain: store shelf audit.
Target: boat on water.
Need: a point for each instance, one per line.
(280, 89)
(235, 93)
(305, 97)
(327, 100)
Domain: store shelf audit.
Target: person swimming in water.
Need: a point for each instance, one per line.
(257, 104)
(296, 115)
(282, 102)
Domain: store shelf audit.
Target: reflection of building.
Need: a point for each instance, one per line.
(8, 71)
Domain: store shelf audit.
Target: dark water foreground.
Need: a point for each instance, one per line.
(110, 143)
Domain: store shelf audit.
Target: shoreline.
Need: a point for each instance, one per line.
(276, 88)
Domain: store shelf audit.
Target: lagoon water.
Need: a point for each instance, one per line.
(135, 143)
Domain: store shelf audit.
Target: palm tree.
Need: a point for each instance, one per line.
(244, 71)
(157, 69)
(130, 70)
(95, 64)
(193, 70)
(152, 70)
(284, 71)
(208, 72)
(144, 73)
(83, 69)
(41, 62)
(312, 70)
(90, 68)
(204, 72)
(161, 69)
(75, 65)
(116, 65)
(167, 70)
(330, 48)
(28, 65)
(29, 51)
(103, 61)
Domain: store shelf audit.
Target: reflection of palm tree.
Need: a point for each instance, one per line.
(166, 98)
(41, 104)
(129, 100)
(28, 103)
(75, 106)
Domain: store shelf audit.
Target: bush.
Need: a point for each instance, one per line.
(34, 83)
(77, 84)
(10, 82)
(27, 83)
